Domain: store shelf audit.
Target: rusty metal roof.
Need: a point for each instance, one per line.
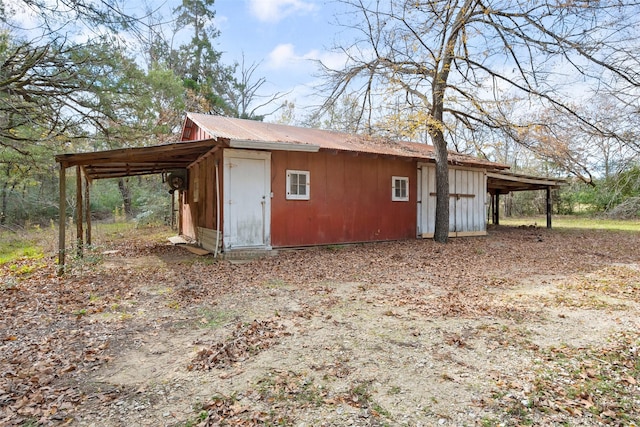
(222, 131)
(136, 160)
(305, 139)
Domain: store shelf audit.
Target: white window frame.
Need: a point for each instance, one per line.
(307, 195)
(401, 198)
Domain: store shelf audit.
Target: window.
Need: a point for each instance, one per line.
(297, 185)
(399, 189)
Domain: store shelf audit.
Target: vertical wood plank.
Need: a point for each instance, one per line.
(79, 213)
(548, 207)
(87, 208)
(62, 210)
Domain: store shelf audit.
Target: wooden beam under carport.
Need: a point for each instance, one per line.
(503, 182)
(62, 212)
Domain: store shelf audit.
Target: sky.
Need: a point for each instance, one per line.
(284, 36)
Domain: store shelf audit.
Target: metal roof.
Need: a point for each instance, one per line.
(137, 160)
(506, 181)
(260, 135)
(227, 132)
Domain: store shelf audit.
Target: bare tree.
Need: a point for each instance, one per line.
(244, 93)
(456, 60)
(581, 150)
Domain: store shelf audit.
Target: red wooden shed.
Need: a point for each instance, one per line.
(251, 185)
(267, 185)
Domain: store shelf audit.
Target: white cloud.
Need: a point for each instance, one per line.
(284, 56)
(275, 10)
(281, 56)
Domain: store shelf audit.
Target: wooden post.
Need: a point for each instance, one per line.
(173, 210)
(549, 207)
(87, 208)
(496, 213)
(79, 214)
(62, 211)
(493, 208)
(181, 199)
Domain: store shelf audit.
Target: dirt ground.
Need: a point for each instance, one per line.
(526, 326)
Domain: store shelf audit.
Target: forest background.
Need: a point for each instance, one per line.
(112, 80)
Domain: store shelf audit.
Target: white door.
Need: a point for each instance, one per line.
(427, 201)
(247, 201)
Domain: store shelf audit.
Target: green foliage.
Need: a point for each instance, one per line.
(13, 247)
(151, 201)
(58, 95)
(608, 192)
(214, 318)
(578, 197)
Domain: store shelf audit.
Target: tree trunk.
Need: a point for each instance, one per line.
(436, 127)
(3, 210)
(441, 232)
(125, 192)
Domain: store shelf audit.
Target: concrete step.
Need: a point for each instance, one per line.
(247, 254)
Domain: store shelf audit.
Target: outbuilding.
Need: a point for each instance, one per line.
(248, 185)
(268, 185)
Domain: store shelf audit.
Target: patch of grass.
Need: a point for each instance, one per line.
(489, 422)
(81, 312)
(361, 396)
(336, 247)
(114, 229)
(575, 222)
(175, 305)
(210, 318)
(614, 281)
(275, 284)
(15, 248)
(291, 388)
(23, 269)
(205, 260)
(594, 302)
(393, 390)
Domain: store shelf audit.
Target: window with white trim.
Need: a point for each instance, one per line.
(297, 185)
(399, 189)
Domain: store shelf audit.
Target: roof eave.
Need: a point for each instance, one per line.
(273, 145)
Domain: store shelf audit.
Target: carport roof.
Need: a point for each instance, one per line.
(137, 160)
(505, 182)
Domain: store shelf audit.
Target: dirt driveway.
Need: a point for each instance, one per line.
(523, 327)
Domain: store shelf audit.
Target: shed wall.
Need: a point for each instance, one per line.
(350, 199)
(199, 202)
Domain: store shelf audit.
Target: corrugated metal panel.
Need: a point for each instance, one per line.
(207, 238)
(251, 130)
(350, 200)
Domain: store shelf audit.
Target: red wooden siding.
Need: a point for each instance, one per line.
(350, 199)
(194, 132)
(200, 213)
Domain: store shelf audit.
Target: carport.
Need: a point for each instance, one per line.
(117, 163)
(504, 182)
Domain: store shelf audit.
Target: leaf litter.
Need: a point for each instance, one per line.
(397, 333)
